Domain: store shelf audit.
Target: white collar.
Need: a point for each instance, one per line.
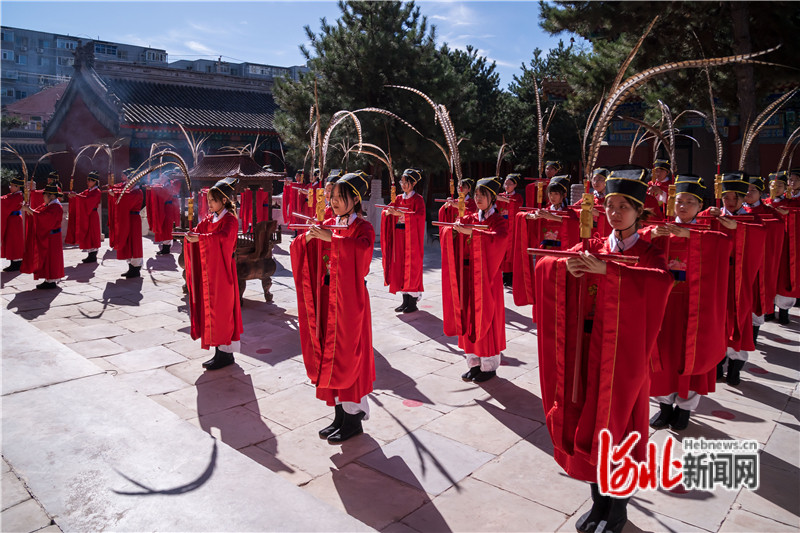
(219, 215)
(92, 188)
(678, 221)
(740, 211)
(407, 195)
(345, 220)
(614, 242)
(756, 204)
(54, 200)
(482, 216)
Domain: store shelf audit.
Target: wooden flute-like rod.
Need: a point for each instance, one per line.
(451, 224)
(679, 224)
(742, 218)
(560, 213)
(401, 209)
(304, 217)
(543, 252)
(323, 226)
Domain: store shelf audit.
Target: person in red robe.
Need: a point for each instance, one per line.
(509, 203)
(692, 338)
(127, 230)
(554, 227)
(403, 242)
(449, 211)
(746, 260)
(658, 191)
(598, 322)
(44, 254)
(472, 283)
(163, 211)
(83, 207)
(330, 267)
(36, 196)
(330, 181)
(211, 280)
(551, 168)
(12, 236)
(786, 191)
(766, 285)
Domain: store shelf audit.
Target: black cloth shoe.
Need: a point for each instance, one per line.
(769, 317)
(13, 267)
(351, 426)
(755, 335)
(166, 249)
(412, 305)
(720, 369)
(133, 272)
(470, 374)
(221, 360)
(617, 516)
(402, 307)
(734, 367)
(508, 279)
(47, 285)
(661, 419)
(783, 316)
(680, 419)
(338, 419)
(484, 376)
(587, 523)
(210, 362)
(91, 258)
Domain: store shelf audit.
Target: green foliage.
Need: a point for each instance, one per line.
(10, 122)
(374, 44)
(6, 174)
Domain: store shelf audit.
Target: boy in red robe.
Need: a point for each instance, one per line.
(472, 283)
(509, 203)
(551, 168)
(44, 254)
(449, 211)
(658, 190)
(786, 201)
(403, 242)
(12, 243)
(746, 260)
(692, 337)
(329, 266)
(211, 278)
(163, 212)
(128, 227)
(598, 322)
(83, 207)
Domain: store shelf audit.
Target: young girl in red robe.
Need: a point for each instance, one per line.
(598, 321)
(472, 283)
(692, 337)
(87, 223)
(509, 204)
(403, 242)
(12, 244)
(126, 236)
(44, 254)
(163, 212)
(449, 211)
(786, 202)
(551, 168)
(658, 190)
(746, 260)
(211, 277)
(330, 266)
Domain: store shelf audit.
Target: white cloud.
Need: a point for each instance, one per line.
(199, 48)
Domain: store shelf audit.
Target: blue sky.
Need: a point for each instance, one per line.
(271, 31)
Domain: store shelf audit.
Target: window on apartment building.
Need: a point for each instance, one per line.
(10, 74)
(44, 43)
(234, 71)
(106, 49)
(156, 56)
(122, 54)
(21, 94)
(66, 61)
(6, 35)
(21, 40)
(22, 60)
(45, 61)
(66, 44)
(8, 92)
(8, 55)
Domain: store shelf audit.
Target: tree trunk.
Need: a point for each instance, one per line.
(746, 89)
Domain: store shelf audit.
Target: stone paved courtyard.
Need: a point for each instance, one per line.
(438, 454)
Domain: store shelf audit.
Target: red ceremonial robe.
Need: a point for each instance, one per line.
(692, 339)
(403, 245)
(246, 210)
(163, 213)
(449, 213)
(87, 225)
(746, 259)
(128, 224)
(12, 243)
(509, 210)
(652, 203)
(44, 255)
(334, 318)
(472, 285)
(531, 193)
(301, 200)
(71, 237)
(766, 284)
(112, 212)
(212, 282)
(36, 198)
(538, 233)
(789, 267)
(626, 307)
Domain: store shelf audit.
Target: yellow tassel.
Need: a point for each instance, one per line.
(320, 204)
(671, 201)
(586, 219)
(462, 204)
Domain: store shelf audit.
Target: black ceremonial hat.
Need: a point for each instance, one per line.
(515, 177)
(736, 182)
(414, 174)
(53, 176)
(783, 175)
(52, 188)
(662, 163)
(493, 185)
(758, 181)
(631, 184)
(560, 182)
(600, 170)
(16, 180)
(93, 175)
(358, 181)
(556, 164)
(334, 175)
(227, 186)
(691, 184)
